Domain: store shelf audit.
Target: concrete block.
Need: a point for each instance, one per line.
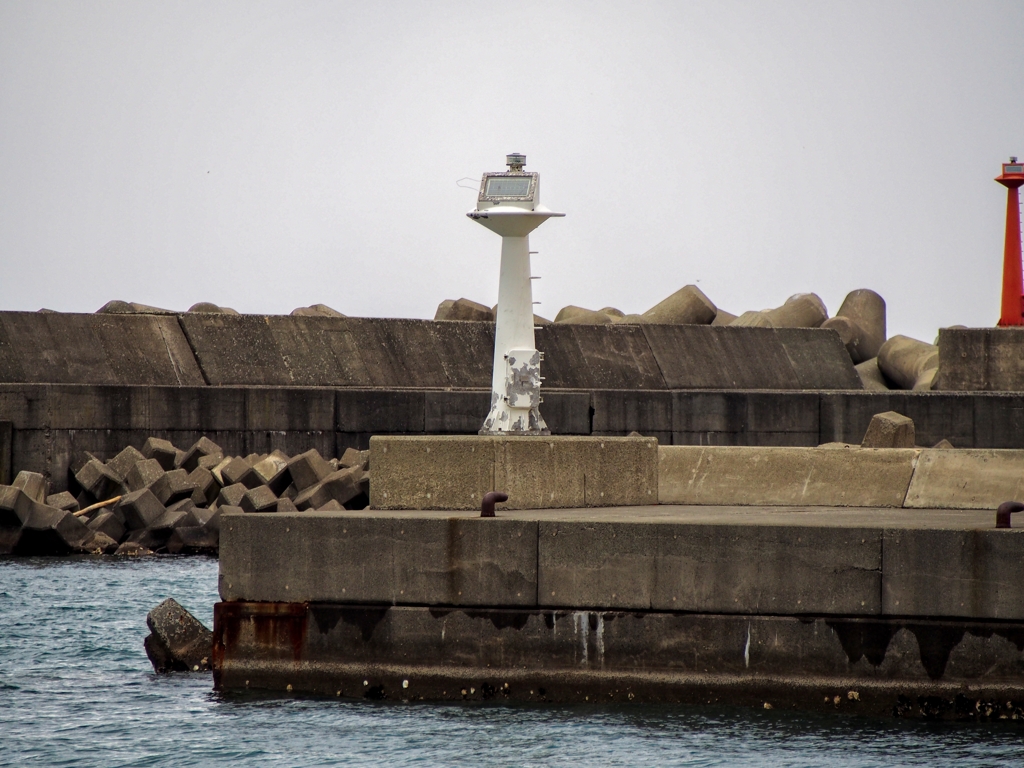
(33, 484)
(307, 469)
(176, 516)
(801, 310)
(49, 531)
(352, 457)
(871, 376)
(205, 485)
(178, 641)
(864, 311)
(63, 500)
(909, 363)
(204, 447)
(260, 499)
(172, 486)
(238, 470)
(726, 357)
(98, 543)
(466, 352)
(98, 480)
(340, 486)
(981, 359)
(335, 556)
(954, 573)
(463, 309)
(688, 305)
(140, 509)
(966, 479)
(447, 472)
(271, 467)
(582, 316)
(708, 568)
(316, 310)
(144, 474)
(442, 472)
(15, 507)
(131, 308)
(285, 504)
(597, 357)
(784, 476)
(122, 463)
(108, 523)
(163, 451)
(195, 540)
(889, 430)
(231, 495)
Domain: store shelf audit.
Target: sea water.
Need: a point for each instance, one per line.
(76, 689)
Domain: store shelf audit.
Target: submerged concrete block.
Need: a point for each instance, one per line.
(178, 641)
(784, 476)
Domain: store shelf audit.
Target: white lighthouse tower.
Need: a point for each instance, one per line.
(509, 205)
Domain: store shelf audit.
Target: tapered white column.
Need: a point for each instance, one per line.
(515, 381)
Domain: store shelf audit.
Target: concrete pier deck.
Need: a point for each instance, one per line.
(915, 612)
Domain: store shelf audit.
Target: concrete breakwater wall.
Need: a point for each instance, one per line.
(869, 611)
(196, 349)
(840, 477)
(43, 426)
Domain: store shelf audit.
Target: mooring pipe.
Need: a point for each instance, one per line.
(1006, 509)
(487, 505)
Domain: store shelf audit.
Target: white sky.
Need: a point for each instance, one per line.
(269, 155)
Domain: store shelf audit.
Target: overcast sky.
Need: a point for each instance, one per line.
(270, 155)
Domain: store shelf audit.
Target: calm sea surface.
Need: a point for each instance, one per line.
(76, 689)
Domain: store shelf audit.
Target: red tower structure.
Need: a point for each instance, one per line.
(1012, 310)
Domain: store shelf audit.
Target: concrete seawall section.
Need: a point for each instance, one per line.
(846, 477)
(293, 351)
(895, 611)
